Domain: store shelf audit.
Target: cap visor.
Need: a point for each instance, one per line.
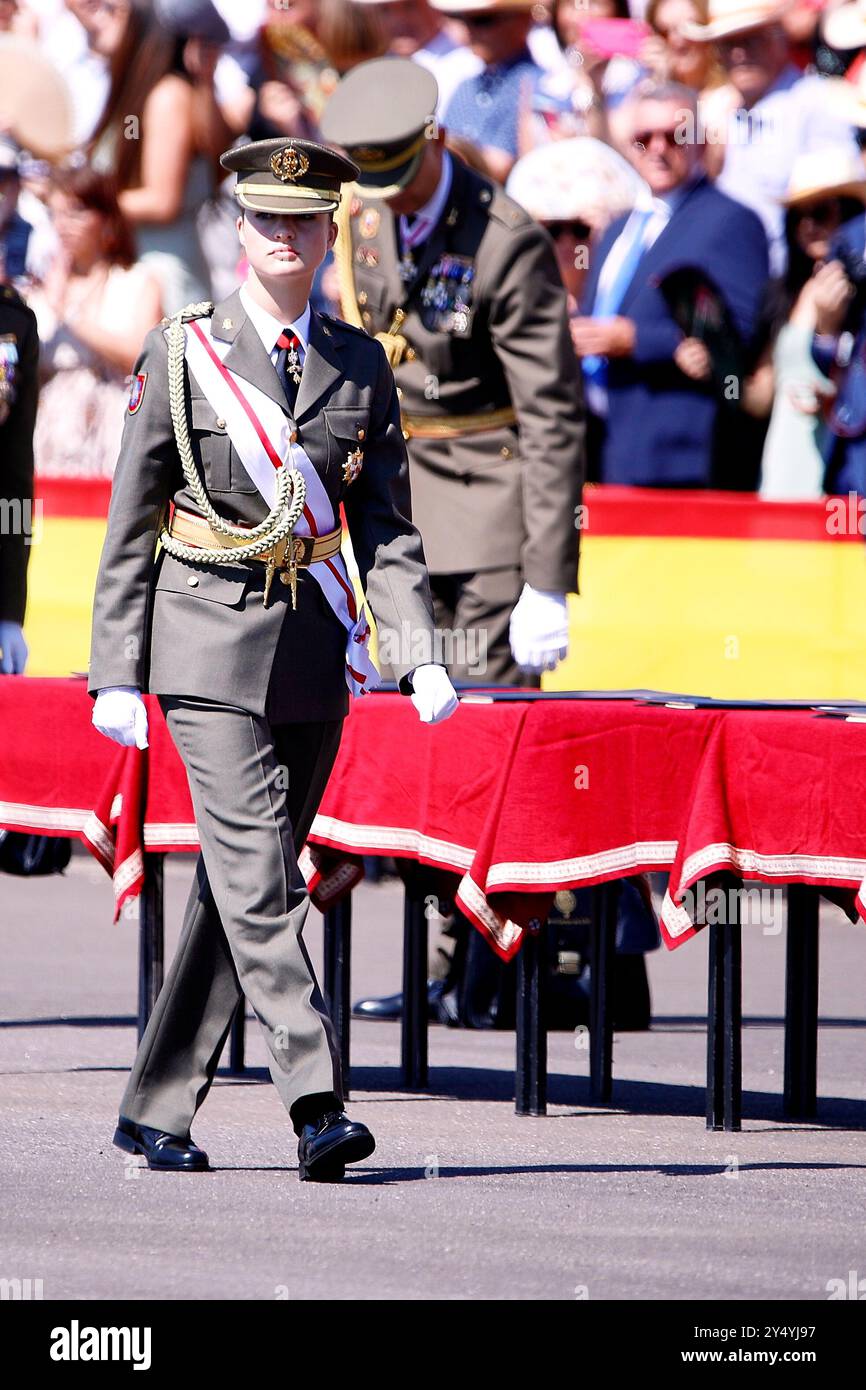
(388, 184)
(265, 202)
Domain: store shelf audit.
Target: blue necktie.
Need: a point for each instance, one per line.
(609, 299)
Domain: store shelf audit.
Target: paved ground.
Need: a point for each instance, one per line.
(462, 1198)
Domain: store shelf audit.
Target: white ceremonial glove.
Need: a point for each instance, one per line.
(538, 631)
(434, 697)
(13, 649)
(120, 713)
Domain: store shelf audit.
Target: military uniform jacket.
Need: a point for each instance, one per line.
(180, 628)
(506, 496)
(19, 391)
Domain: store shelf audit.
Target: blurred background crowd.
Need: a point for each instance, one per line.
(737, 127)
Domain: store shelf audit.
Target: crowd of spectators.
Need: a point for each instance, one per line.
(699, 165)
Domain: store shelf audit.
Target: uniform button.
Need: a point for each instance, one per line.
(505, 452)
(362, 297)
(400, 392)
(192, 581)
(410, 354)
(405, 434)
(293, 437)
(285, 577)
(220, 424)
(366, 316)
(362, 434)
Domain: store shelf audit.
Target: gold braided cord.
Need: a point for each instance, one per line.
(343, 259)
(291, 488)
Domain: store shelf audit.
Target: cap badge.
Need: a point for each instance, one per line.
(289, 164)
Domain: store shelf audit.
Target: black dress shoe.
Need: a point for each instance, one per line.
(167, 1151)
(391, 1006)
(328, 1144)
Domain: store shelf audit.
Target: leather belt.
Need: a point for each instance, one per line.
(195, 530)
(453, 426)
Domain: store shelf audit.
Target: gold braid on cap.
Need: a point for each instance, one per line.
(291, 487)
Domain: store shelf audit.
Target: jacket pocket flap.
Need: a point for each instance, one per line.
(220, 583)
(347, 422)
(204, 417)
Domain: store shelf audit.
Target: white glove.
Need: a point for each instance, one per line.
(120, 713)
(538, 631)
(434, 696)
(13, 649)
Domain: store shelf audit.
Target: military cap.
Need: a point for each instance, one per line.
(288, 175)
(382, 113)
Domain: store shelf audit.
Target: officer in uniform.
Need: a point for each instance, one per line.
(19, 390)
(248, 424)
(462, 288)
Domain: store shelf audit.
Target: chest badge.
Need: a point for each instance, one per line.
(368, 222)
(353, 465)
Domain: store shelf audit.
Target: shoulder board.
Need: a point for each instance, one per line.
(343, 326)
(504, 210)
(11, 299)
(203, 310)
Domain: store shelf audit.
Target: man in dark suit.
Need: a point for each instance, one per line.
(649, 384)
(248, 424)
(19, 390)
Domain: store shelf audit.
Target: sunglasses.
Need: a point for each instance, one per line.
(579, 230)
(644, 139)
(483, 20)
(822, 213)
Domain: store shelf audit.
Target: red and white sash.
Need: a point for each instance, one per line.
(261, 433)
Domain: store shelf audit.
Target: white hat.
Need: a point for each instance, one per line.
(735, 17)
(845, 27)
(577, 179)
(832, 172)
(480, 6)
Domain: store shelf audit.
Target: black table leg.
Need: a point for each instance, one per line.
(337, 940)
(151, 938)
(801, 1003)
(724, 1017)
(530, 1080)
(413, 1040)
(237, 1039)
(602, 946)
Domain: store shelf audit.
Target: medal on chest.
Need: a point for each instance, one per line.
(446, 299)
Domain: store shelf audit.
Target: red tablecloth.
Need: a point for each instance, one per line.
(519, 799)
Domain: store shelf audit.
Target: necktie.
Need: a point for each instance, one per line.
(609, 298)
(289, 366)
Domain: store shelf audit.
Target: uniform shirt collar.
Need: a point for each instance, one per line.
(269, 328)
(434, 207)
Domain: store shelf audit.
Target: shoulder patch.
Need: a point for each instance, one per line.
(136, 392)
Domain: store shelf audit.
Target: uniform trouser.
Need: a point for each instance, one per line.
(255, 789)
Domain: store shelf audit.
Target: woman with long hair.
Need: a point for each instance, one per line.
(92, 312)
(159, 135)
